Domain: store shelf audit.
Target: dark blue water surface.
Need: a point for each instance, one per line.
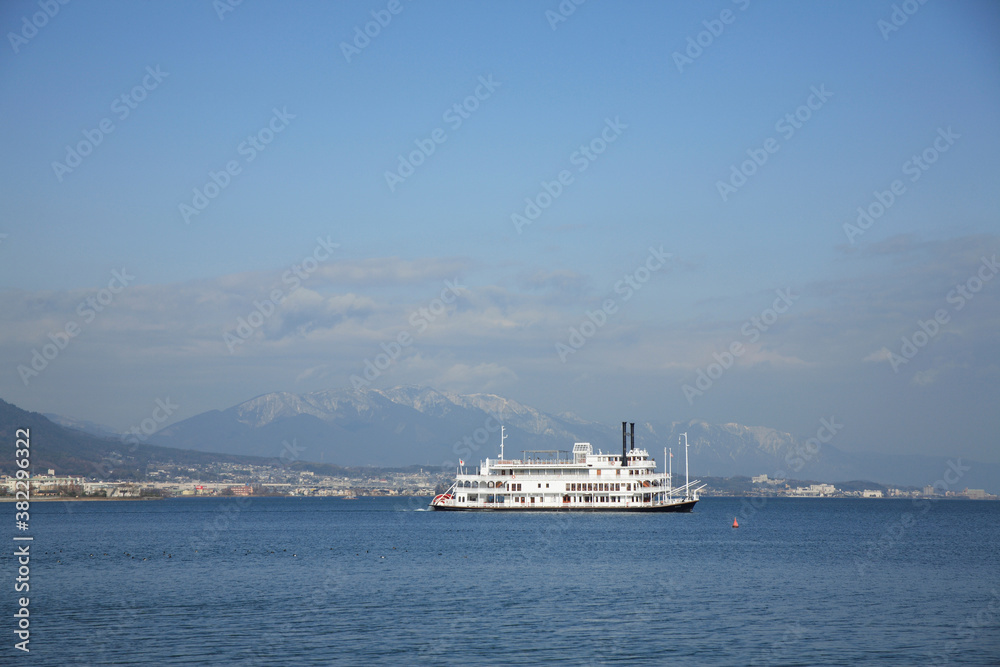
(293, 581)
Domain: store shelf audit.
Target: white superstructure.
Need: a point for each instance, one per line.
(581, 480)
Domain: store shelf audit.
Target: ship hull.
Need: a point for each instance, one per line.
(684, 506)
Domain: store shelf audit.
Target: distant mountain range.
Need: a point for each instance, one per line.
(73, 451)
(421, 426)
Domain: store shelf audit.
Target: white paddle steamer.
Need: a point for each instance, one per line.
(582, 481)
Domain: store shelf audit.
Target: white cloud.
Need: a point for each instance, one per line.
(882, 354)
(924, 378)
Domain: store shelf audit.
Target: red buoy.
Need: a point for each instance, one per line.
(735, 523)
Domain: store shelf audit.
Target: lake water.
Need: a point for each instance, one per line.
(297, 581)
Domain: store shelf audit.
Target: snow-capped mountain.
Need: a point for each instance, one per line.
(419, 425)
(398, 426)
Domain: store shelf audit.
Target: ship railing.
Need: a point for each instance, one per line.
(535, 462)
(686, 490)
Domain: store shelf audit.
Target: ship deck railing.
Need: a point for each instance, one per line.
(499, 463)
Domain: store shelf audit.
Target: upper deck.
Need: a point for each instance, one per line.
(561, 462)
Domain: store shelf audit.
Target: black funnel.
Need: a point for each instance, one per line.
(624, 458)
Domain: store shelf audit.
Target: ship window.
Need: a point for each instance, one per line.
(546, 485)
(475, 485)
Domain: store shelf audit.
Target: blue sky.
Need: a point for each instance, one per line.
(888, 95)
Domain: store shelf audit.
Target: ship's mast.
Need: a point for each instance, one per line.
(503, 436)
(670, 475)
(687, 477)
